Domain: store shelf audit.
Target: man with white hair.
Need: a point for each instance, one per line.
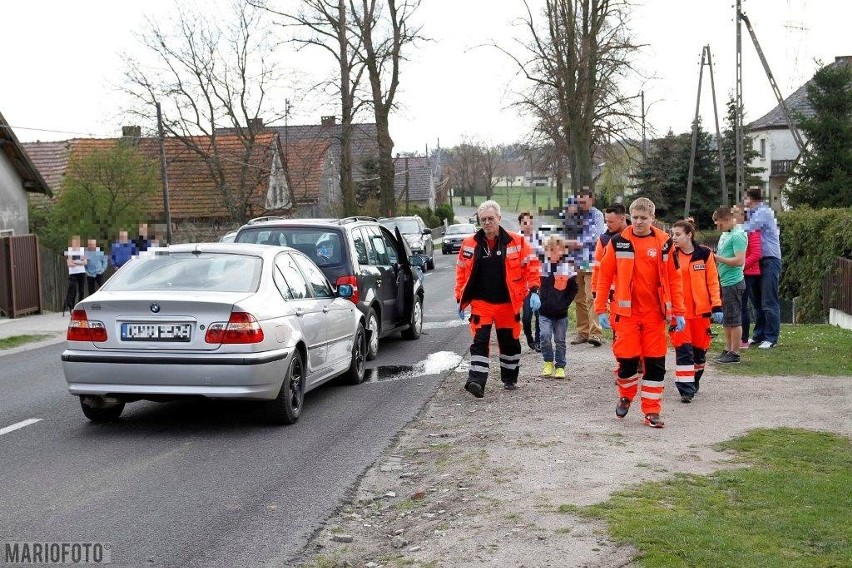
(495, 271)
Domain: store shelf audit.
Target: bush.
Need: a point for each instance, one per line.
(810, 241)
(445, 213)
(426, 214)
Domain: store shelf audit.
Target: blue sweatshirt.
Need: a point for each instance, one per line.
(121, 253)
(96, 262)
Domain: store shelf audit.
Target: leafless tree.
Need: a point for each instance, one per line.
(213, 78)
(491, 163)
(575, 61)
(383, 36)
(327, 24)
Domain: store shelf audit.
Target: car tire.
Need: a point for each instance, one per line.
(373, 331)
(287, 406)
(430, 263)
(415, 326)
(101, 413)
(357, 367)
(444, 251)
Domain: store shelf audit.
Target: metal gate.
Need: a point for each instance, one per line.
(20, 276)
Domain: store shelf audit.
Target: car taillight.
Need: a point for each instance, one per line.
(241, 327)
(352, 281)
(81, 329)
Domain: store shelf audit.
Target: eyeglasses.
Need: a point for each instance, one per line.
(488, 219)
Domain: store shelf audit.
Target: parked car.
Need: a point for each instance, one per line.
(416, 233)
(455, 235)
(213, 320)
(228, 237)
(358, 251)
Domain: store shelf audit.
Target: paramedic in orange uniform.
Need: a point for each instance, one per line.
(702, 300)
(648, 297)
(495, 271)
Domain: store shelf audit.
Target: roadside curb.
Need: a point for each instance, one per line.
(58, 337)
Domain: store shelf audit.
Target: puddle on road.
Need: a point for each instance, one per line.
(434, 364)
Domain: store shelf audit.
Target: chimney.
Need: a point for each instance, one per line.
(255, 124)
(131, 132)
(328, 120)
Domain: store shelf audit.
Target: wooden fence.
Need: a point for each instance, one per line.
(837, 286)
(19, 276)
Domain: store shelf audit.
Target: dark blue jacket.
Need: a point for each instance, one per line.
(121, 253)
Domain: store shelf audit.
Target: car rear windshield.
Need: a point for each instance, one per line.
(323, 246)
(460, 229)
(406, 226)
(218, 272)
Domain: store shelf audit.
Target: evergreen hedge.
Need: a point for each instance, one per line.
(811, 239)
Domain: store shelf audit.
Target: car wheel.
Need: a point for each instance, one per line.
(373, 331)
(357, 368)
(430, 263)
(444, 251)
(97, 411)
(287, 406)
(416, 325)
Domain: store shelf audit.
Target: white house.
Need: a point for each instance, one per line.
(774, 143)
(18, 176)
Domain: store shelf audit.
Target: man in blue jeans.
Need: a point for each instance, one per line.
(762, 218)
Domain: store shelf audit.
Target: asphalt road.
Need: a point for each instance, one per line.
(204, 483)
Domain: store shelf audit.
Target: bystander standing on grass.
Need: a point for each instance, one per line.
(731, 257)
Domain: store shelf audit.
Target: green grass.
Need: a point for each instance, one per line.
(521, 198)
(18, 340)
(792, 506)
(801, 350)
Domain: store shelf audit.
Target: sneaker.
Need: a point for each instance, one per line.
(530, 343)
(560, 373)
(595, 340)
(686, 398)
(510, 386)
(537, 347)
(721, 355)
(729, 357)
(744, 344)
(654, 421)
(753, 341)
(475, 389)
(579, 339)
(622, 407)
(547, 370)
(766, 345)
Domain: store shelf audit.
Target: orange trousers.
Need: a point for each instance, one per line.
(641, 337)
(484, 316)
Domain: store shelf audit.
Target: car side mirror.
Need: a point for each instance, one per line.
(417, 260)
(345, 291)
(427, 231)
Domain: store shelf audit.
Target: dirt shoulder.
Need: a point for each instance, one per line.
(480, 482)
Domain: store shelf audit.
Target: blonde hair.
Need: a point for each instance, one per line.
(643, 204)
(554, 241)
(490, 204)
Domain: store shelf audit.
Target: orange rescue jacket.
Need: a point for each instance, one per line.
(522, 265)
(701, 292)
(617, 267)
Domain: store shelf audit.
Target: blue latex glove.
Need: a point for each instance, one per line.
(461, 313)
(535, 301)
(680, 323)
(603, 319)
(717, 317)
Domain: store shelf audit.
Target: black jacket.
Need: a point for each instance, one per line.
(554, 303)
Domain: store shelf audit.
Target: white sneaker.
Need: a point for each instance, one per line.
(766, 345)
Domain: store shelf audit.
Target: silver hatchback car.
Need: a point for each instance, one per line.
(215, 320)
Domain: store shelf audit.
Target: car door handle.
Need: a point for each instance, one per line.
(378, 283)
(299, 312)
(325, 309)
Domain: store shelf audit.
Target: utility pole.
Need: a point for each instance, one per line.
(694, 137)
(644, 136)
(738, 115)
(406, 185)
(164, 175)
(723, 181)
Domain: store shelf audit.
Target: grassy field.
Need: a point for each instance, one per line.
(801, 350)
(790, 506)
(18, 340)
(521, 198)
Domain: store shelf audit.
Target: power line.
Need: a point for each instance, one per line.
(90, 134)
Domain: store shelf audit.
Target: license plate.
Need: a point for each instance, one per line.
(156, 331)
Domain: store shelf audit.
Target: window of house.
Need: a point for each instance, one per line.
(763, 148)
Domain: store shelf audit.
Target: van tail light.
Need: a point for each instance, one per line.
(241, 327)
(80, 328)
(352, 281)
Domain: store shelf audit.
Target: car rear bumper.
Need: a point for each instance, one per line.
(255, 376)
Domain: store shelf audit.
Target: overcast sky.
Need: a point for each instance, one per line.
(60, 60)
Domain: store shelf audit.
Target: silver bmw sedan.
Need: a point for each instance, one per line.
(215, 320)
